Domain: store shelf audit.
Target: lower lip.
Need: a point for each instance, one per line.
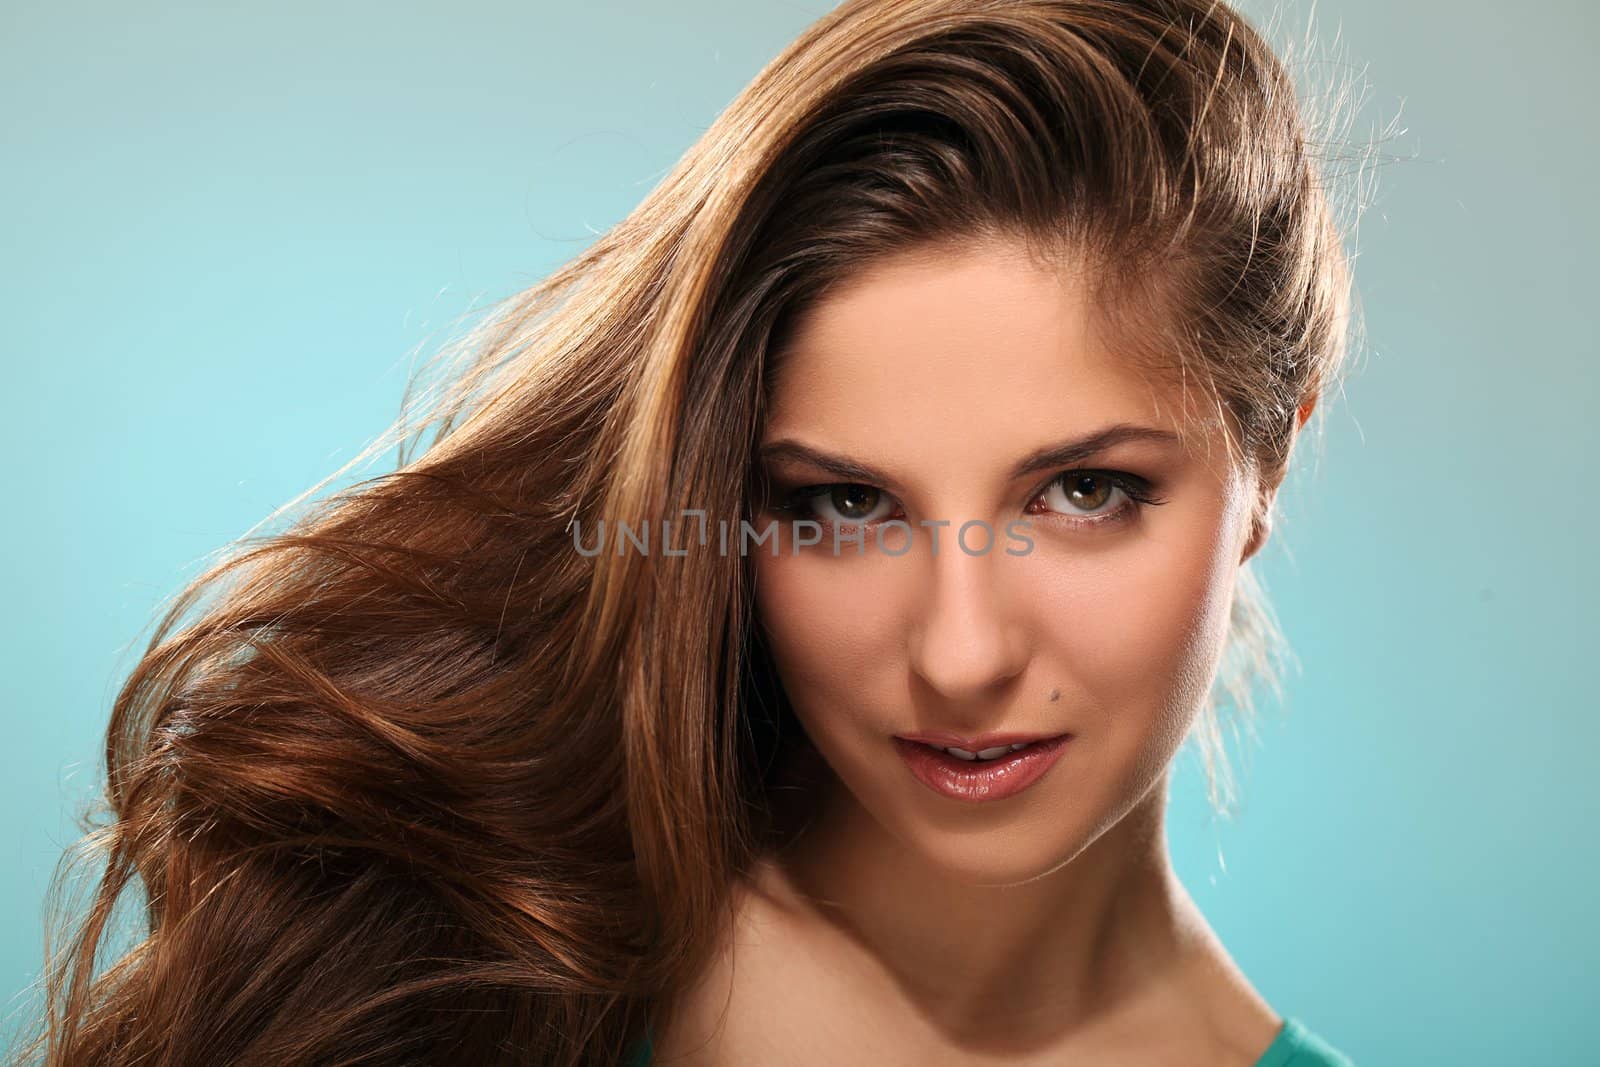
(975, 781)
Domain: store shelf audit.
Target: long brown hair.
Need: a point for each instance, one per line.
(414, 781)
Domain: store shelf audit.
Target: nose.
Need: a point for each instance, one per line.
(964, 643)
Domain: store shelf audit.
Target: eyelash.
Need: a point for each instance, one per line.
(1137, 490)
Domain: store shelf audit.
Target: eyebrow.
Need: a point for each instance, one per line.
(1061, 454)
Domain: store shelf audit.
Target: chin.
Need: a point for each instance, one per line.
(1010, 852)
(996, 859)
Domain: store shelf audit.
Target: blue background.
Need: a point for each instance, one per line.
(227, 231)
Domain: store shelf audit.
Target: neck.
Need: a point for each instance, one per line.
(1101, 935)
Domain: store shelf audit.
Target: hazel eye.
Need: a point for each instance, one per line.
(1075, 492)
(1088, 498)
(849, 504)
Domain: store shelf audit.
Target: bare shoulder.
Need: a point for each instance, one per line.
(728, 1014)
(1240, 1024)
(784, 989)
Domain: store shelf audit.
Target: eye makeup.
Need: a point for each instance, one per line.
(847, 505)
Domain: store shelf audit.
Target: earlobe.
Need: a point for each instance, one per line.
(1261, 530)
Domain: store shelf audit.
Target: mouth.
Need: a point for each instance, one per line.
(974, 770)
(981, 746)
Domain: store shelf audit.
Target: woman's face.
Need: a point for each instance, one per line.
(935, 388)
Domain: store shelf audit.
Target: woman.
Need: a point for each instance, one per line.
(779, 651)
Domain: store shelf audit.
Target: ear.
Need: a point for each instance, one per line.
(1261, 522)
(1265, 493)
(1305, 411)
(1260, 528)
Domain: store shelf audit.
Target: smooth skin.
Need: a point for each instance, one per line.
(906, 927)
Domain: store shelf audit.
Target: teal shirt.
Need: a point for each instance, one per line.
(1295, 1046)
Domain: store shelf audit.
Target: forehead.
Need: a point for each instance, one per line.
(957, 357)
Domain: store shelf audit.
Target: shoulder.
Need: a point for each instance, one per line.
(1240, 1026)
(778, 980)
(1215, 1002)
(1243, 1027)
(718, 1020)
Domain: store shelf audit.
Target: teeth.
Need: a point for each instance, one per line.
(983, 754)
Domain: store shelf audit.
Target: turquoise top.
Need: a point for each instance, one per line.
(1295, 1046)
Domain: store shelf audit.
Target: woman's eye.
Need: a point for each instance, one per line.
(1093, 495)
(1083, 497)
(846, 504)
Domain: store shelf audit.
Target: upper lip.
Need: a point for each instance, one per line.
(974, 743)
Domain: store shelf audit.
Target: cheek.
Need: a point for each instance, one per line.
(1138, 633)
(834, 628)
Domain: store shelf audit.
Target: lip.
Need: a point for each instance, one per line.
(974, 742)
(980, 781)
